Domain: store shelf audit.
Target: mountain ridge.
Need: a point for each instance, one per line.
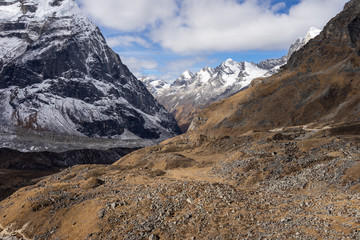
(192, 92)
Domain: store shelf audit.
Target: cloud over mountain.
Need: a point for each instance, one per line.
(191, 26)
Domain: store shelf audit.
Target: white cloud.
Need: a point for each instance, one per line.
(137, 65)
(194, 26)
(226, 25)
(126, 41)
(125, 15)
(173, 69)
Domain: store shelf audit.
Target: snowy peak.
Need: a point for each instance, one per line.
(192, 91)
(206, 70)
(229, 62)
(187, 75)
(184, 79)
(230, 66)
(313, 32)
(155, 86)
(38, 10)
(204, 75)
(301, 41)
(29, 17)
(57, 74)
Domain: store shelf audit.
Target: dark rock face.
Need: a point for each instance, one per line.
(269, 64)
(354, 30)
(58, 74)
(338, 40)
(12, 159)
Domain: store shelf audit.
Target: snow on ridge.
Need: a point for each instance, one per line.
(204, 75)
(187, 74)
(209, 83)
(228, 62)
(70, 21)
(44, 9)
(155, 86)
(312, 33)
(301, 41)
(50, 109)
(11, 47)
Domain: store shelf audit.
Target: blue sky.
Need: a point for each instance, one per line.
(163, 38)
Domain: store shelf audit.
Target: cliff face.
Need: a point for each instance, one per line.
(57, 74)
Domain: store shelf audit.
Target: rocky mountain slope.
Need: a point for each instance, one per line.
(58, 75)
(191, 92)
(279, 160)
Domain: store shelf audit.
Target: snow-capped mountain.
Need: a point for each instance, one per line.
(57, 74)
(210, 83)
(300, 42)
(184, 78)
(156, 87)
(192, 91)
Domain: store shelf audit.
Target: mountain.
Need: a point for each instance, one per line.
(58, 75)
(192, 92)
(156, 87)
(279, 160)
(300, 42)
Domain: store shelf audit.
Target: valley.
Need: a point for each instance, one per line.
(278, 184)
(278, 160)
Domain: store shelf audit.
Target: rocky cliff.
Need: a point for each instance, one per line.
(57, 74)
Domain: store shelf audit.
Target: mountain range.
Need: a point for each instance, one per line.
(192, 92)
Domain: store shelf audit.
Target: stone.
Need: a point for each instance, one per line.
(154, 237)
(102, 213)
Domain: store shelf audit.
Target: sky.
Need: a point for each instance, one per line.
(163, 38)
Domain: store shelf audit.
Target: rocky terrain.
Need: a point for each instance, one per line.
(190, 93)
(296, 183)
(279, 160)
